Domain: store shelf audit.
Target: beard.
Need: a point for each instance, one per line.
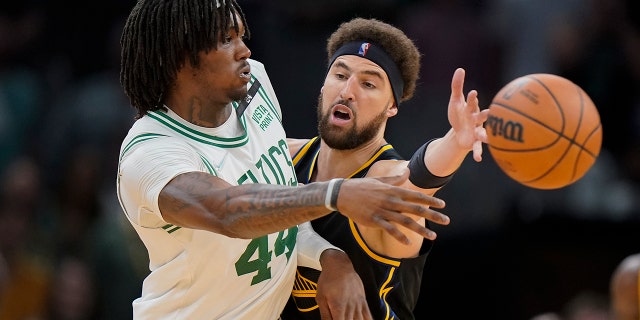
(346, 139)
(239, 94)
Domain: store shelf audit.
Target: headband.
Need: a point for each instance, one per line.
(378, 56)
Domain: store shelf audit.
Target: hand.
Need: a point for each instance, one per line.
(385, 204)
(340, 293)
(465, 117)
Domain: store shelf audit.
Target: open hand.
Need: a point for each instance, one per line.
(340, 294)
(386, 203)
(465, 116)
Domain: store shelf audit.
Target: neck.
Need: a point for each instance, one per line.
(334, 163)
(200, 115)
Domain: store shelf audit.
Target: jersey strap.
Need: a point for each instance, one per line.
(255, 86)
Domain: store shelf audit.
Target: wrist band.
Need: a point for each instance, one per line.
(331, 198)
(420, 176)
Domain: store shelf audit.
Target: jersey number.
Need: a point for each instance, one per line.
(257, 255)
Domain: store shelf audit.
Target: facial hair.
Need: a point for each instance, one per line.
(339, 139)
(238, 95)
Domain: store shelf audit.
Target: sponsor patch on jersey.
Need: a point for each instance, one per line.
(263, 117)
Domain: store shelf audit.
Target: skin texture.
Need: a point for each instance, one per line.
(202, 96)
(355, 94)
(355, 102)
(625, 289)
(340, 292)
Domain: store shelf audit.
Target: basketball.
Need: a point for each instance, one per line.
(543, 131)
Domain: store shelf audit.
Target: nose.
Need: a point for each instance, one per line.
(243, 51)
(347, 92)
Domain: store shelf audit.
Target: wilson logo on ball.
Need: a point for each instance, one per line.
(563, 131)
(509, 130)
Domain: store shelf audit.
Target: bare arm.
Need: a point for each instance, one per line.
(340, 292)
(202, 201)
(442, 158)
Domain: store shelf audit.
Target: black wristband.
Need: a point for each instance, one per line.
(420, 176)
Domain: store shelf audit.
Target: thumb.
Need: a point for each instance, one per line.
(395, 180)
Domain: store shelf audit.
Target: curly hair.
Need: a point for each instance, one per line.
(395, 43)
(159, 36)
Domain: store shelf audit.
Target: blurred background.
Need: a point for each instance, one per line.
(511, 252)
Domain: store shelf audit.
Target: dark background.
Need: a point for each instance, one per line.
(511, 252)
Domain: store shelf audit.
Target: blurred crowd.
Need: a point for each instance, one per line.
(67, 251)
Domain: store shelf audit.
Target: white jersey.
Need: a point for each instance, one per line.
(197, 274)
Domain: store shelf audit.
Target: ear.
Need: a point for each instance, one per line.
(321, 89)
(392, 111)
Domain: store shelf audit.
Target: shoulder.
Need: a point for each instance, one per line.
(146, 136)
(295, 144)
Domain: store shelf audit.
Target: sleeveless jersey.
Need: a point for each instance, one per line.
(197, 274)
(391, 285)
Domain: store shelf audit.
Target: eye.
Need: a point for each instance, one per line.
(369, 85)
(341, 76)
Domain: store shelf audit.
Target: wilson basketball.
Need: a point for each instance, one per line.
(543, 131)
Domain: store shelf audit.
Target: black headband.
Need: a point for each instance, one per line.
(378, 56)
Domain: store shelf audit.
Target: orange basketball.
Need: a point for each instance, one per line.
(544, 131)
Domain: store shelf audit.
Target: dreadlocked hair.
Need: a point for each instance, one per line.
(159, 36)
(395, 43)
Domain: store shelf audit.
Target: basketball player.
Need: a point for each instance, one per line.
(206, 179)
(625, 289)
(373, 66)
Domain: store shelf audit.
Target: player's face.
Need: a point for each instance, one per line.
(224, 71)
(355, 102)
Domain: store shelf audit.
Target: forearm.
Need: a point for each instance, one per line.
(201, 201)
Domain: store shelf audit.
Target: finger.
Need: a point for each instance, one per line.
(415, 201)
(482, 116)
(481, 134)
(472, 101)
(429, 214)
(395, 232)
(457, 84)
(387, 222)
(477, 151)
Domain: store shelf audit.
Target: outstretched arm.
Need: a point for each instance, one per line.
(202, 201)
(445, 155)
(433, 164)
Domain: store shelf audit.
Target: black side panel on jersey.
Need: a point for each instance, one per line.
(392, 285)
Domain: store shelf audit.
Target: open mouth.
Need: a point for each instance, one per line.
(341, 113)
(245, 72)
